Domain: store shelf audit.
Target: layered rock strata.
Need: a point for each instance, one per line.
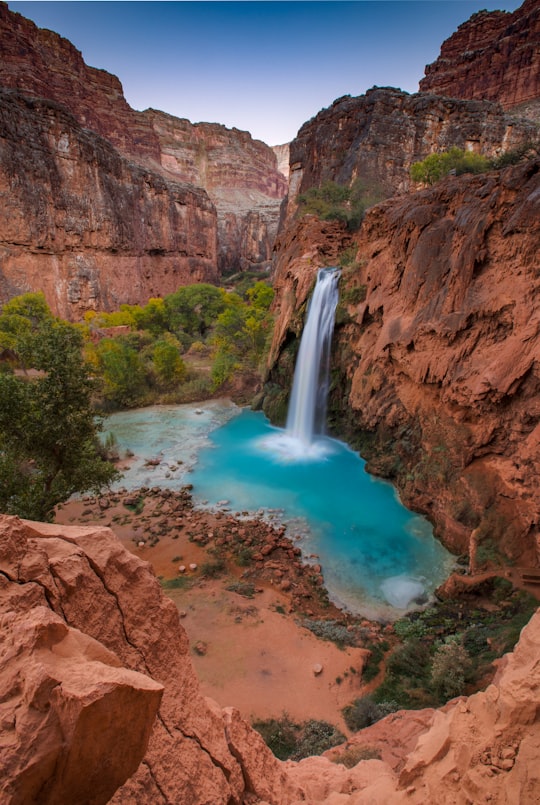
(437, 351)
(42, 64)
(241, 177)
(91, 648)
(494, 56)
(239, 173)
(87, 226)
(375, 138)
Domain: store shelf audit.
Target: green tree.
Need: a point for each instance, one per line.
(49, 446)
(168, 365)
(122, 372)
(194, 308)
(260, 295)
(435, 166)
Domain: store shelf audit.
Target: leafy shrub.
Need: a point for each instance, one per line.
(315, 738)
(450, 669)
(280, 735)
(331, 630)
(178, 583)
(243, 588)
(435, 166)
(364, 711)
(373, 664)
(290, 740)
(334, 202)
(213, 569)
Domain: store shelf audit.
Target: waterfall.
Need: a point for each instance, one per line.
(307, 409)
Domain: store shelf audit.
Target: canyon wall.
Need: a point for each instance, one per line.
(87, 226)
(375, 138)
(436, 373)
(493, 56)
(101, 704)
(239, 174)
(241, 177)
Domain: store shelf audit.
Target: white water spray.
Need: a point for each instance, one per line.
(307, 409)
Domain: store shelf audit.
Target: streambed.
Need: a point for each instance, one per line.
(377, 557)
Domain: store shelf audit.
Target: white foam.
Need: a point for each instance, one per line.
(288, 449)
(399, 591)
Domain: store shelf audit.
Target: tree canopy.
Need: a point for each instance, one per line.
(49, 446)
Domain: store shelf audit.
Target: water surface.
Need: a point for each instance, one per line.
(378, 558)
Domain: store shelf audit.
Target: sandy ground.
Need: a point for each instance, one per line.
(252, 653)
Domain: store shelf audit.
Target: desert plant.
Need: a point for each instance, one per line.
(450, 668)
(364, 711)
(454, 161)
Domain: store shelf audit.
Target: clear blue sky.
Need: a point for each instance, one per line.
(265, 67)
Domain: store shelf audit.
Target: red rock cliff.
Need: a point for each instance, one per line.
(43, 64)
(493, 56)
(438, 350)
(85, 225)
(378, 136)
(239, 173)
(91, 649)
(241, 177)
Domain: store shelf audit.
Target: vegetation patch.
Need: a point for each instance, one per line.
(364, 712)
(177, 583)
(290, 740)
(243, 588)
(448, 649)
(456, 162)
(331, 630)
(337, 202)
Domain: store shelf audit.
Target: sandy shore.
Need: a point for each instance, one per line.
(249, 651)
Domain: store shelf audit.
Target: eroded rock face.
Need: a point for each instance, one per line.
(378, 136)
(75, 720)
(493, 56)
(241, 177)
(437, 350)
(90, 645)
(85, 225)
(239, 173)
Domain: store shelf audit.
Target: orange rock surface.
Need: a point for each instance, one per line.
(90, 646)
(493, 56)
(438, 350)
(150, 203)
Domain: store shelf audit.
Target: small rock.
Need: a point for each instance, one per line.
(141, 544)
(317, 669)
(193, 566)
(285, 585)
(182, 569)
(182, 613)
(200, 648)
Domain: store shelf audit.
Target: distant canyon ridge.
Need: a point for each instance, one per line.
(104, 205)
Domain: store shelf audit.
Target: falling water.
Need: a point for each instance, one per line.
(307, 409)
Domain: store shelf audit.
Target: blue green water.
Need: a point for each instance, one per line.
(373, 551)
(377, 557)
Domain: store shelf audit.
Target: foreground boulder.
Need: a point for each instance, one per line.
(91, 649)
(90, 643)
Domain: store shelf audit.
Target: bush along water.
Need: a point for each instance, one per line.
(445, 651)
